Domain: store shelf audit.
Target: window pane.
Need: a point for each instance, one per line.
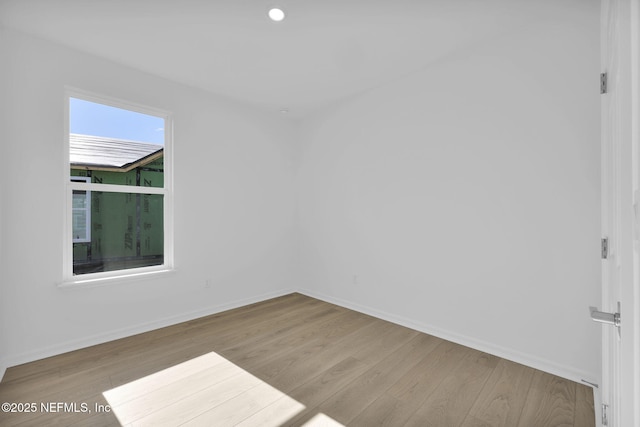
(113, 145)
(79, 199)
(127, 231)
(79, 224)
(92, 118)
(80, 216)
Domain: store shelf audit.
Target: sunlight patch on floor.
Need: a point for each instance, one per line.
(207, 390)
(322, 420)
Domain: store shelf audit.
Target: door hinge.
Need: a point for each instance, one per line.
(604, 248)
(603, 83)
(605, 419)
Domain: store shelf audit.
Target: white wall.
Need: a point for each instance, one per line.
(465, 197)
(233, 205)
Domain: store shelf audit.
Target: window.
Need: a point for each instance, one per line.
(118, 197)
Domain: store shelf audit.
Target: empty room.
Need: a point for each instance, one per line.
(320, 213)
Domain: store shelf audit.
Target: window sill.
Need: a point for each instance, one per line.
(90, 282)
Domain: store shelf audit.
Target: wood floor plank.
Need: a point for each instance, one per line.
(292, 361)
(145, 385)
(259, 358)
(450, 402)
(316, 353)
(225, 332)
(324, 385)
(473, 421)
(96, 420)
(584, 407)
(349, 402)
(386, 410)
(238, 408)
(401, 401)
(501, 400)
(381, 411)
(550, 402)
(194, 405)
(131, 403)
(366, 338)
(422, 380)
(291, 330)
(274, 415)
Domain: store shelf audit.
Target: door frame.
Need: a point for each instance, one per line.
(632, 294)
(621, 207)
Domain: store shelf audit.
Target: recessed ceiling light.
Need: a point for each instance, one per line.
(284, 110)
(276, 14)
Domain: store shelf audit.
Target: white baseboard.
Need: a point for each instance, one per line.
(18, 359)
(506, 353)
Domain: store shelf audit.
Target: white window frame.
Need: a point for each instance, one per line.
(87, 208)
(68, 278)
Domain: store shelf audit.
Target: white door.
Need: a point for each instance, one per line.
(620, 213)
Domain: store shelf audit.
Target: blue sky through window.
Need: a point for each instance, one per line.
(90, 118)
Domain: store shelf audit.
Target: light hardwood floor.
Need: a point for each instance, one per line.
(289, 361)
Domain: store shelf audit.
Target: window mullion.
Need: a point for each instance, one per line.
(115, 188)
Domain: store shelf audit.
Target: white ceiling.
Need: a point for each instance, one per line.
(323, 51)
